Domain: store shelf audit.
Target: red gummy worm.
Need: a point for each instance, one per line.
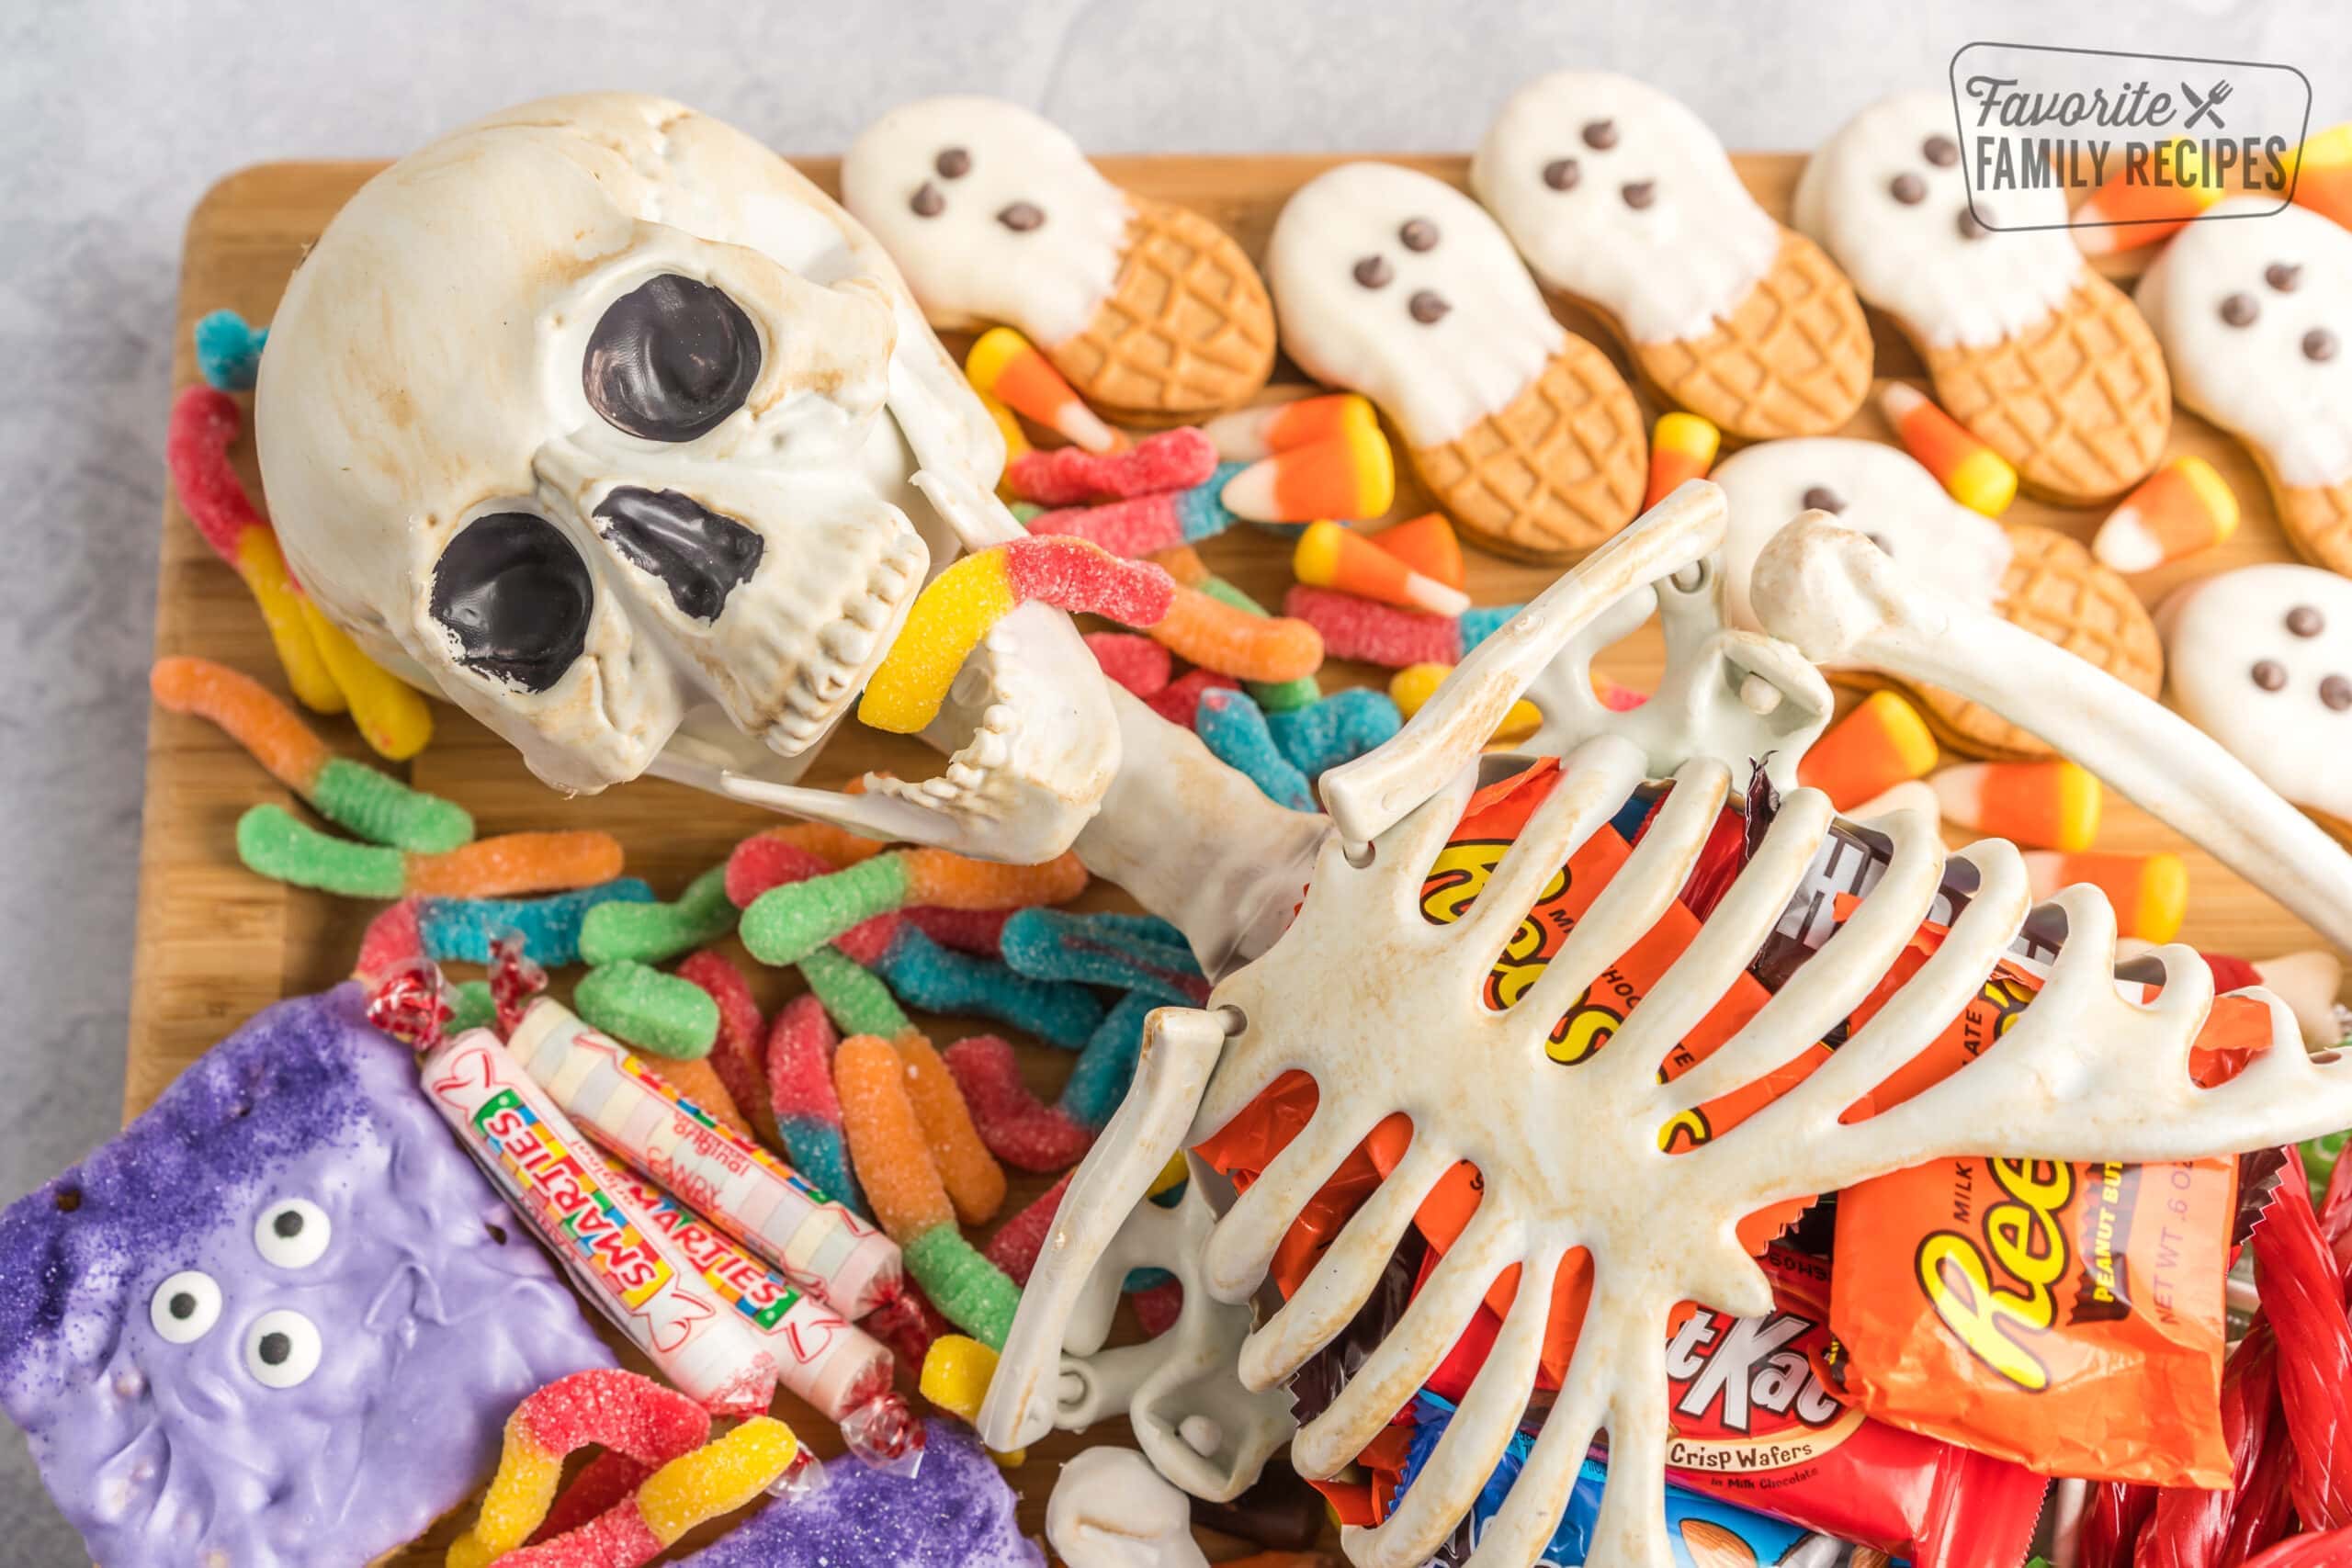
(1016, 1128)
(606, 1481)
(1073, 575)
(980, 931)
(1019, 1240)
(205, 422)
(761, 863)
(1135, 661)
(800, 1062)
(739, 1054)
(391, 941)
(1158, 1308)
(1181, 698)
(1071, 476)
(1365, 629)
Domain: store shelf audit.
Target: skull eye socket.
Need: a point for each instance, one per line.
(517, 596)
(671, 359)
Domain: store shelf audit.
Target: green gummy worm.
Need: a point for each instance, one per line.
(650, 1010)
(970, 1291)
(271, 841)
(649, 933)
(853, 997)
(382, 810)
(786, 924)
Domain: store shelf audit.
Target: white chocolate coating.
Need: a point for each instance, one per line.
(2218, 629)
(1667, 269)
(1886, 496)
(1438, 378)
(965, 266)
(2256, 380)
(1910, 259)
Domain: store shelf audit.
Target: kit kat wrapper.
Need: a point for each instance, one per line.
(764, 1204)
(548, 1171)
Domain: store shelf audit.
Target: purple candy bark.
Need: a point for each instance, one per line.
(369, 1340)
(955, 1512)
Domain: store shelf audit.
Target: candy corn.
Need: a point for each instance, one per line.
(2046, 806)
(1246, 434)
(1682, 446)
(2183, 507)
(1007, 366)
(1330, 556)
(956, 610)
(1428, 545)
(1016, 441)
(1416, 683)
(1911, 795)
(1870, 750)
(1977, 477)
(2131, 210)
(2323, 173)
(1346, 476)
(2149, 892)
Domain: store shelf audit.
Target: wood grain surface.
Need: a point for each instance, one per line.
(216, 942)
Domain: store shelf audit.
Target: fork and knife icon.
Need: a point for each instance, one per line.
(2205, 107)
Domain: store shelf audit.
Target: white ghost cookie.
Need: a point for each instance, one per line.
(2261, 660)
(1399, 287)
(994, 215)
(2254, 313)
(1620, 196)
(2043, 359)
(2039, 579)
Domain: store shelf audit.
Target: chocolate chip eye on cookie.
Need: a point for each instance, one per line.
(1396, 284)
(995, 216)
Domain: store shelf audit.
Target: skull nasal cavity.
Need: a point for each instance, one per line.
(671, 359)
(700, 555)
(517, 596)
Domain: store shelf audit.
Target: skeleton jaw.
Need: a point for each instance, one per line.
(1033, 744)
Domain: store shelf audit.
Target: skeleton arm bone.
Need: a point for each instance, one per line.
(1838, 597)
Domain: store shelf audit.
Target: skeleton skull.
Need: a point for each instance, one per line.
(600, 419)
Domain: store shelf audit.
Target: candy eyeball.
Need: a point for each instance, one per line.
(185, 1306)
(292, 1233)
(282, 1350)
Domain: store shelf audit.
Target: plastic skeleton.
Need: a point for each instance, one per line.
(1570, 1157)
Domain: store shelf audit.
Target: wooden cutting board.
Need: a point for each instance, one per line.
(216, 942)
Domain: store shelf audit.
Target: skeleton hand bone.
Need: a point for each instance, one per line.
(1836, 596)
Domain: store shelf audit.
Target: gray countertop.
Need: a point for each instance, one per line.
(118, 117)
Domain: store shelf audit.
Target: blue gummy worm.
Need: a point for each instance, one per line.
(228, 350)
(1340, 728)
(1200, 511)
(1130, 952)
(1234, 728)
(1107, 1066)
(1482, 621)
(459, 930)
(930, 977)
(817, 1152)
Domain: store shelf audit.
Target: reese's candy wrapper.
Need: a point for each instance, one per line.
(2067, 1316)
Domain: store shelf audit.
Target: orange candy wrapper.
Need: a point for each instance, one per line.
(2069, 1317)
(1495, 817)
